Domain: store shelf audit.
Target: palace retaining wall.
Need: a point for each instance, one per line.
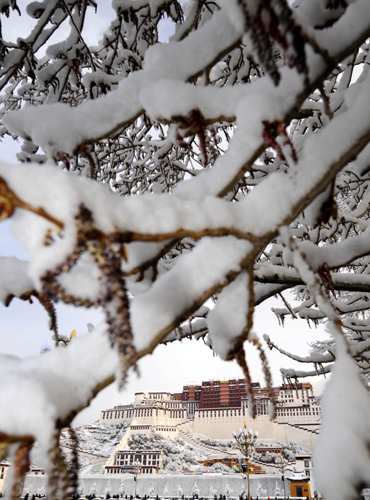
(206, 482)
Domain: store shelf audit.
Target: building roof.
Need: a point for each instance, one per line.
(298, 476)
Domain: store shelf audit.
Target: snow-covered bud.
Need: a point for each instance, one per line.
(256, 433)
(240, 431)
(234, 434)
(250, 432)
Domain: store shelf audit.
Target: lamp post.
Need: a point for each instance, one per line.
(137, 465)
(245, 442)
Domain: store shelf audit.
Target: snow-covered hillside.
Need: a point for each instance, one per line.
(95, 438)
(289, 450)
(178, 455)
(95, 444)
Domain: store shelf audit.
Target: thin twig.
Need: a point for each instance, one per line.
(79, 33)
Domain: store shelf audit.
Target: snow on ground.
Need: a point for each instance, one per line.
(97, 441)
(177, 453)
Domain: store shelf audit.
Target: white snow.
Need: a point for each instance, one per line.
(226, 229)
(51, 386)
(342, 447)
(13, 278)
(228, 319)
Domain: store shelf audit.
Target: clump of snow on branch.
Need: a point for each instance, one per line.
(228, 318)
(343, 446)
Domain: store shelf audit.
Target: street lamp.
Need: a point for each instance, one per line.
(245, 442)
(137, 465)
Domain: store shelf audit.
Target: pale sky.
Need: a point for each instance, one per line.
(172, 366)
(24, 327)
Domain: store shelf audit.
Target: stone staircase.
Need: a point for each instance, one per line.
(82, 451)
(302, 427)
(188, 438)
(197, 441)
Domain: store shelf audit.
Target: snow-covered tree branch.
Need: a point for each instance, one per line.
(231, 162)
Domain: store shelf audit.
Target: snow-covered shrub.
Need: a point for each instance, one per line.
(216, 443)
(93, 489)
(122, 488)
(107, 489)
(212, 491)
(151, 491)
(228, 490)
(277, 489)
(260, 491)
(220, 467)
(195, 491)
(177, 455)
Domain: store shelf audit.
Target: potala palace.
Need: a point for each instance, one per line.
(213, 410)
(210, 411)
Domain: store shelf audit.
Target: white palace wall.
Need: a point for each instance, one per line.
(100, 484)
(145, 413)
(222, 426)
(167, 431)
